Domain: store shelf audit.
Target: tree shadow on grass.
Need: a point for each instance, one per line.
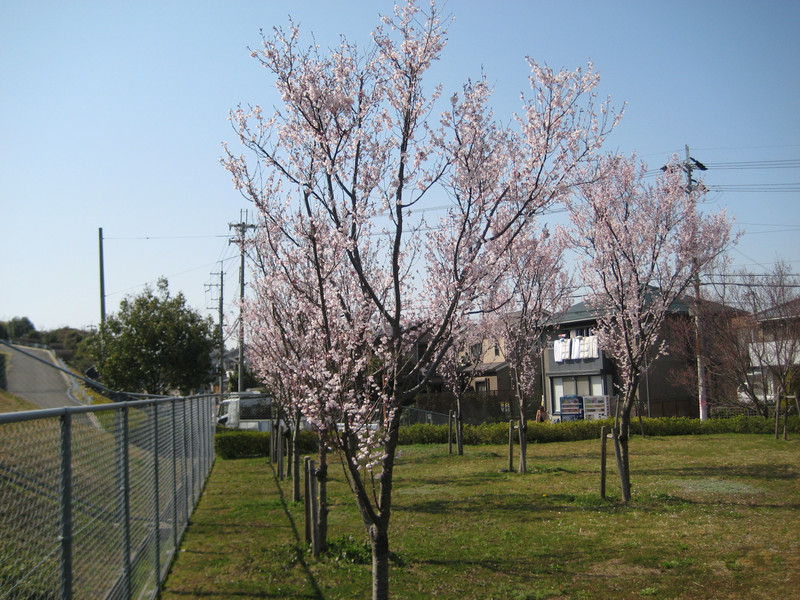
(521, 505)
(229, 594)
(533, 566)
(299, 554)
(768, 471)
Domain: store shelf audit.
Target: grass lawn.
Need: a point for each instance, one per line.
(711, 517)
(11, 403)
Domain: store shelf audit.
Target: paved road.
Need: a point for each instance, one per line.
(35, 381)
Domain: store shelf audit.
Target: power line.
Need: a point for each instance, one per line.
(167, 237)
(743, 165)
(756, 164)
(756, 187)
(752, 284)
(167, 277)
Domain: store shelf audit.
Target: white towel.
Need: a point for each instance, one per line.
(558, 351)
(576, 349)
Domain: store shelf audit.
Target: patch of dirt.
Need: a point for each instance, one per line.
(616, 567)
(716, 486)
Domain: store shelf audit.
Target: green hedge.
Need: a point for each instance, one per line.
(242, 443)
(497, 433)
(238, 443)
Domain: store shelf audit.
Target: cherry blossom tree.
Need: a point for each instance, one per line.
(336, 172)
(641, 246)
(460, 363)
(536, 289)
(279, 340)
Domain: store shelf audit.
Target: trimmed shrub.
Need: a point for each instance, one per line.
(568, 431)
(243, 443)
(423, 434)
(240, 443)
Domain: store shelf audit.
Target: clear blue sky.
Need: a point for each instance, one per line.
(112, 115)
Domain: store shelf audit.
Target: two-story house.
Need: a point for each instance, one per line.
(575, 365)
(774, 350)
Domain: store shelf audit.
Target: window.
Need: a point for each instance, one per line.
(476, 350)
(558, 392)
(582, 385)
(597, 385)
(562, 386)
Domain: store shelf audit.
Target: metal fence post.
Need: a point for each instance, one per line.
(193, 446)
(212, 430)
(209, 420)
(186, 470)
(201, 408)
(66, 506)
(174, 476)
(190, 456)
(124, 498)
(157, 517)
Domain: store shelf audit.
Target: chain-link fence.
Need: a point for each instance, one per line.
(414, 416)
(94, 499)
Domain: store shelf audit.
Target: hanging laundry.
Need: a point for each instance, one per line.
(576, 349)
(584, 348)
(594, 351)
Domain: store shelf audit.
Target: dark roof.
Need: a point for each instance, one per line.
(787, 310)
(487, 368)
(578, 312)
(583, 312)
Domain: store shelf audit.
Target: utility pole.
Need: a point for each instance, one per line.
(241, 229)
(102, 281)
(690, 164)
(102, 294)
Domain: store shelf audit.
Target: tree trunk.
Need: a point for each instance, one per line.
(379, 540)
(296, 496)
(450, 432)
(523, 440)
(375, 509)
(777, 415)
(322, 487)
(459, 428)
(623, 462)
(639, 412)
